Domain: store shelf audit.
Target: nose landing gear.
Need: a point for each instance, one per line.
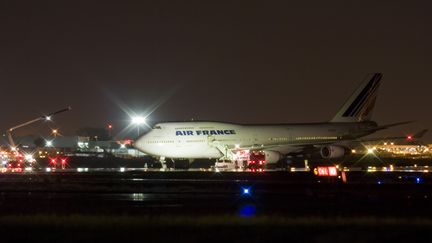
(163, 163)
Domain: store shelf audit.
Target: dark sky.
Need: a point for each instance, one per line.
(239, 61)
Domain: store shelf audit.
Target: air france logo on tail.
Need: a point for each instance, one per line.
(366, 99)
(205, 132)
(360, 105)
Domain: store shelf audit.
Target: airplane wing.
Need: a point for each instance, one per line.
(310, 146)
(297, 146)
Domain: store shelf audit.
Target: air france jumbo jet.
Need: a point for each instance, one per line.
(221, 140)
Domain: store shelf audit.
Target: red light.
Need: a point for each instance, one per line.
(110, 126)
(322, 171)
(409, 137)
(326, 171)
(332, 171)
(63, 163)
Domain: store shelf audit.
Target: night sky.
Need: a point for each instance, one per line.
(238, 61)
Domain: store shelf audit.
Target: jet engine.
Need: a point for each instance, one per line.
(333, 152)
(272, 157)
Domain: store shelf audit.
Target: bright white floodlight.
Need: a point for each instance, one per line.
(138, 120)
(48, 143)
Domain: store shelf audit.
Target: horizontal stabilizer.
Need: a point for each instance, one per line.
(418, 135)
(389, 125)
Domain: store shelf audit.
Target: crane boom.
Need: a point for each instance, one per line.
(46, 117)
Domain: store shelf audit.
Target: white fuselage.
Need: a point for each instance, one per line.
(209, 139)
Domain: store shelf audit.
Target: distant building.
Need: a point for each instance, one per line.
(402, 149)
(76, 144)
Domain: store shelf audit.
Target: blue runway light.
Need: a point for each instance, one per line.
(246, 191)
(379, 182)
(418, 180)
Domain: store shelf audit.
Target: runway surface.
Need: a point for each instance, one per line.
(108, 205)
(209, 193)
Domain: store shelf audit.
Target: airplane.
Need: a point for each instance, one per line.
(222, 140)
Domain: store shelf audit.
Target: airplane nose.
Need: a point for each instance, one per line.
(140, 143)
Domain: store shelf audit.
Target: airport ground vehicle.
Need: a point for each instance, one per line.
(250, 161)
(226, 165)
(14, 166)
(256, 161)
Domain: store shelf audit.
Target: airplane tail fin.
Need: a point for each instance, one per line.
(360, 105)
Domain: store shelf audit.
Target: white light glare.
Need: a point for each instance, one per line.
(49, 143)
(138, 120)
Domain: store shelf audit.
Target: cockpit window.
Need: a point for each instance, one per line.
(157, 127)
